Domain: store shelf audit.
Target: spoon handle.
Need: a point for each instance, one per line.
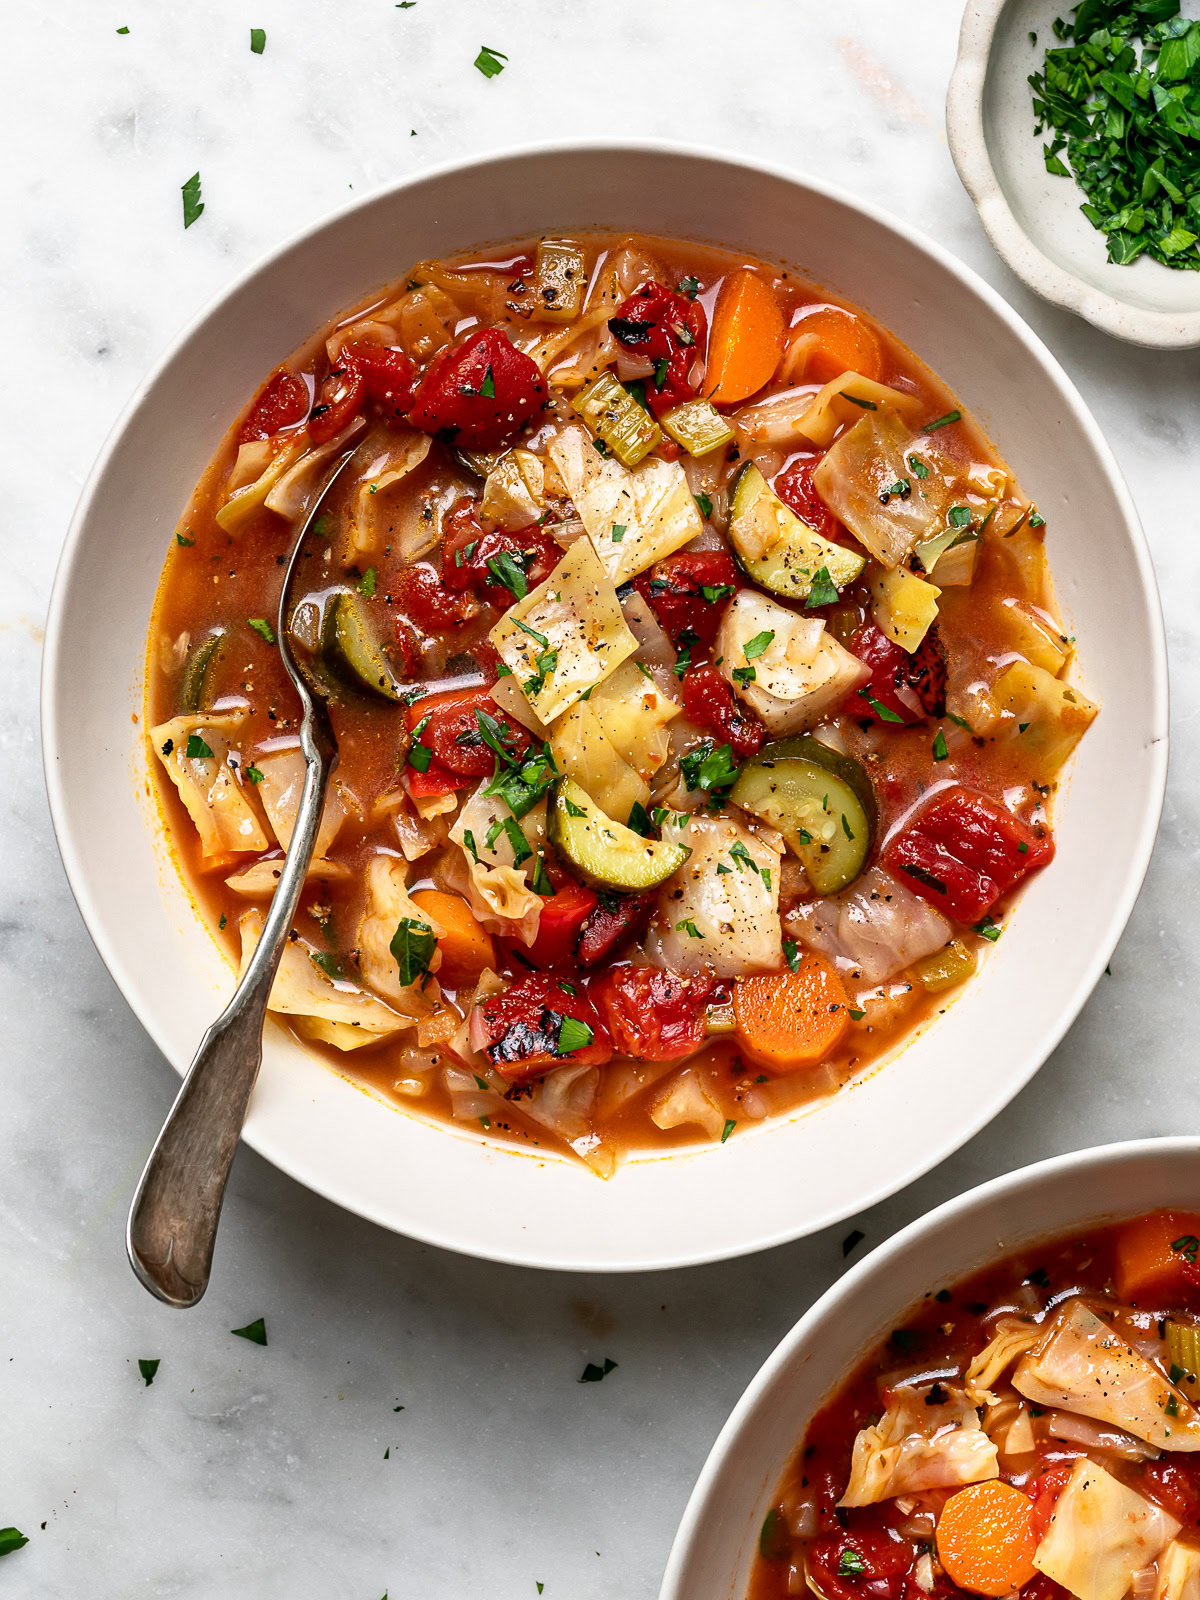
(174, 1216)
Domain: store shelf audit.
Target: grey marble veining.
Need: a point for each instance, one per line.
(247, 1471)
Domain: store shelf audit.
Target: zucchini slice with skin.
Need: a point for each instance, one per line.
(820, 800)
(350, 647)
(198, 670)
(605, 853)
(776, 548)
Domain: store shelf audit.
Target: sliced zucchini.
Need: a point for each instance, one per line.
(607, 853)
(350, 647)
(195, 685)
(777, 549)
(820, 800)
(616, 419)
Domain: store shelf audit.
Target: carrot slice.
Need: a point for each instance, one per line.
(743, 348)
(1157, 1254)
(844, 344)
(465, 944)
(789, 1020)
(985, 1538)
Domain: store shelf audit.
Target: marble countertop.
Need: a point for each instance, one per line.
(290, 1471)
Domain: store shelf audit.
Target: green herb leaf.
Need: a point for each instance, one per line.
(689, 927)
(791, 954)
(704, 503)
(942, 422)
(855, 1016)
(918, 467)
(689, 286)
(986, 928)
(884, 713)
(490, 62)
(521, 848)
(419, 755)
(507, 570)
(193, 206)
(327, 962)
(730, 1125)
(760, 642)
(11, 1539)
(639, 821)
(593, 1374)
(258, 40)
(252, 774)
(413, 945)
(496, 735)
(850, 1564)
(122, 30)
(196, 749)
(708, 768)
(255, 1331)
(186, 543)
(149, 1368)
(572, 1035)
(1036, 521)
(661, 367)
(824, 591)
(712, 593)
(573, 810)
(1187, 1246)
(262, 628)
(940, 752)
(867, 405)
(618, 532)
(366, 584)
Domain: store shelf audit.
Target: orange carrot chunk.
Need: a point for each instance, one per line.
(743, 347)
(1157, 1254)
(844, 344)
(789, 1020)
(986, 1539)
(465, 945)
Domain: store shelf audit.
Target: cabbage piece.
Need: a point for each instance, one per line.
(1178, 1573)
(857, 473)
(566, 635)
(280, 789)
(511, 699)
(708, 920)
(215, 800)
(249, 497)
(367, 525)
(905, 606)
(260, 880)
(1009, 1426)
(1010, 1340)
(583, 750)
(498, 887)
(564, 1102)
(290, 494)
(1048, 716)
(651, 502)
(330, 1009)
(873, 929)
(634, 713)
(1082, 1365)
(514, 491)
(686, 1100)
(1101, 1534)
(916, 1446)
(654, 649)
(387, 905)
(831, 408)
(801, 675)
(416, 836)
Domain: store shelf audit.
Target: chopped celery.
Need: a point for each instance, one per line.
(698, 427)
(946, 967)
(560, 280)
(1183, 1347)
(719, 1020)
(616, 419)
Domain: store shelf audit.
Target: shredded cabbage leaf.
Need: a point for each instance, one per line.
(498, 889)
(708, 920)
(798, 677)
(388, 903)
(216, 802)
(1102, 1532)
(917, 1446)
(856, 479)
(874, 929)
(389, 460)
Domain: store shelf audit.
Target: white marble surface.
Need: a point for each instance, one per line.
(246, 1471)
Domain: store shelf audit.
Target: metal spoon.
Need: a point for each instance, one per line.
(173, 1220)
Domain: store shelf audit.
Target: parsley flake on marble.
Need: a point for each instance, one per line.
(193, 206)
(255, 1331)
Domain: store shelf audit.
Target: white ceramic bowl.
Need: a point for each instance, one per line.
(717, 1540)
(1032, 217)
(768, 1184)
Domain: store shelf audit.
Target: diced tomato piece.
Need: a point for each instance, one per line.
(521, 1027)
(654, 1015)
(611, 924)
(963, 851)
(1044, 1491)
(1174, 1485)
(675, 587)
(912, 687)
(453, 733)
(563, 915)
(1156, 1256)
(797, 491)
(389, 377)
(709, 701)
(339, 400)
(472, 559)
(671, 331)
(879, 1564)
(479, 393)
(434, 780)
(424, 599)
(408, 646)
(282, 402)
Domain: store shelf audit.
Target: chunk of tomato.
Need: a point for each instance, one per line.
(339, 400)
(912, 687)
(709, 702)
(564, 914)
(453, 733)
(796, 489)
(472, 559)
(689, 591)
(1174, 1485)
(654, 1015)
(282, 402)
(863, 1565)
(389, 377)
(668, 330)
(479, 393)
(431, 604)
(520, 1029)
(963, 851)
(611, 924)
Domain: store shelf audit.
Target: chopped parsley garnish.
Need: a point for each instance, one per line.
(730, 1125)
(593, 1374)
(639, 821)
(760, 642)
(661, 367)
(708, 767)
(223, 922)
(262, 628)
(940, 752)
(683, 644)
(186, 543)
(148, 1368)
(255, 1331)
(884, 713)
(469, 841)
(572, 1035)
(774, 1542)
(258, 40)
(573, 810)
(959, 516)
(193, 206)
(744, 675)
(495, 735)
(713, 592)
(618, 531)
(507, 570)
(867, 405)
(824, 591)
(689, 927)
(689, 286)
(540, 883)
(855, 1016)
(850, 1564)
(1172, 1406)
(704, 504)
(12, 1538)
(196, 749)
(520, 844)
(791, 954)
(959, 722)
(122, 30)
(490, 62)
(419, 755)
(326, 962)
(918, 467)
(366, 584)
(413, 944)
(522, 786)
(899, 490)
(846, 828)
(488, 387)
(986, 928)
(1187, 1246)
(942, 422)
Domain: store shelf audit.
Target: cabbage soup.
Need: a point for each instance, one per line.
(698, 685)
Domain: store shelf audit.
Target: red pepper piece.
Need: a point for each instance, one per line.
(609, 926)
(282, 402)
(469, 553)
(911, 687)
(962, 852)
(425, 599)
(480, 393)
(563, 915)
(709, 701)
(878, 1563)
(654, 1015)
(669, 330)
(389, 377)
(453, 734)
(797, 491)
(522, 1028)
(674, 590)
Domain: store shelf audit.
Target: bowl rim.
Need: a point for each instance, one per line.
(1156, 330)
(1139, 844)
(990, 1194)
